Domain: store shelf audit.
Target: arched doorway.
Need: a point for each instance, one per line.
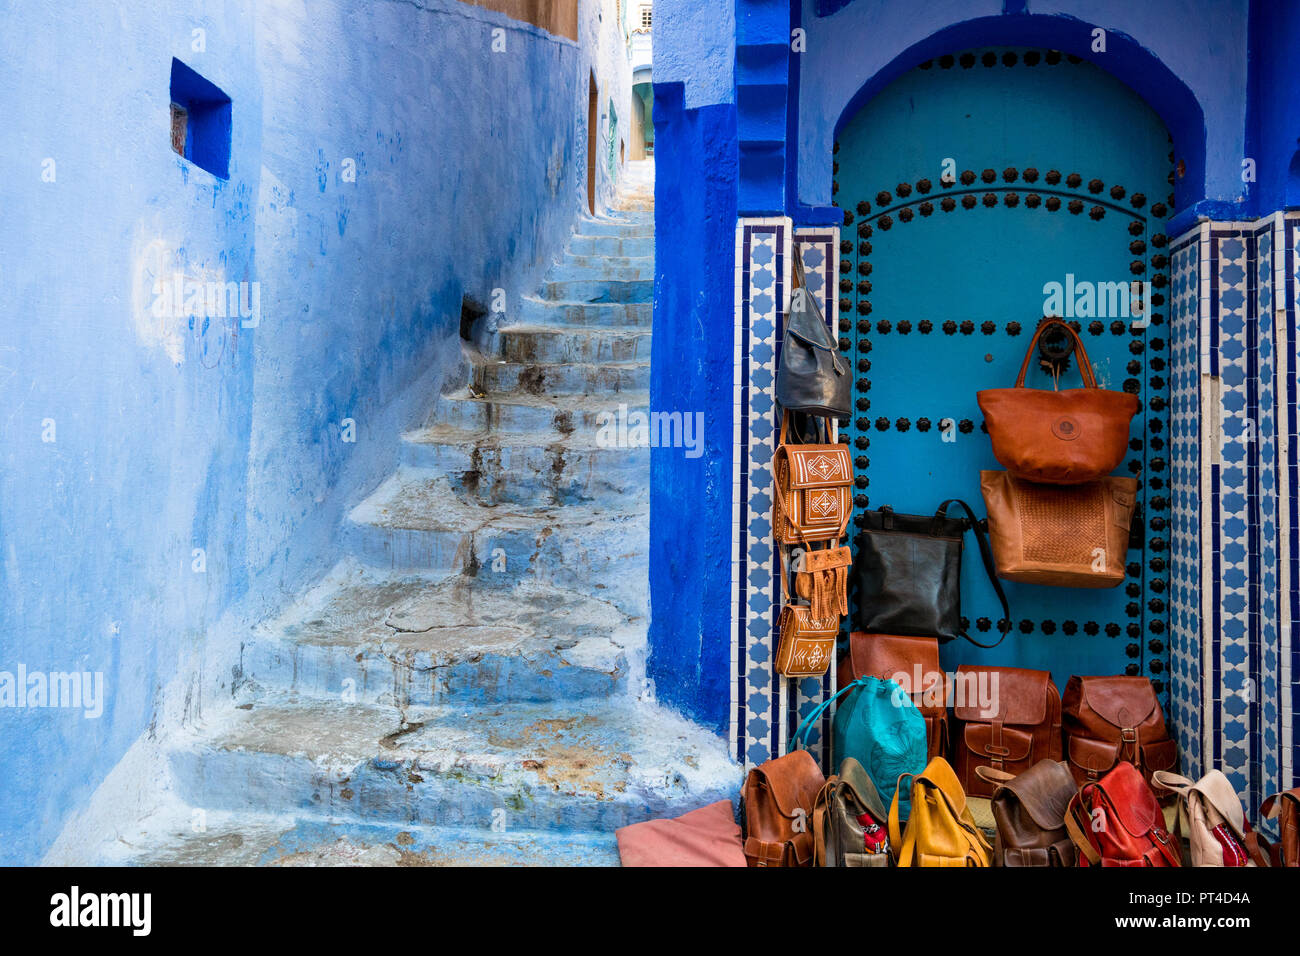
(1060, 174)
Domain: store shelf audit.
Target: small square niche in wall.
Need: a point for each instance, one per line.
(200, 121)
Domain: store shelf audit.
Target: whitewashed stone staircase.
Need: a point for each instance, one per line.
(467, 685)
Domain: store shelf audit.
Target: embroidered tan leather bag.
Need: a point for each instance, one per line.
(1058, 437)
(1007, 718)
(913, 664)
(1071, 537)
(1112, 719)
(813, 485)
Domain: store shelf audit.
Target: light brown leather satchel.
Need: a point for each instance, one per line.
(1071, 537)
(1109, 719)
(912, 663)
(1029, 811)
(1058, 437)
(1007, 718)
(1285, 808)
(813, 486)
(777, 802)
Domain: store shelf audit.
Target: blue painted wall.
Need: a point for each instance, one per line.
(1273, 113)
(171, 435)
(691, 370)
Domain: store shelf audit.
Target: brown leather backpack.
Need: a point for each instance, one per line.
(777, 802)
(1024, 729)
(896, 657)
(1109, 719)
(1029, 811)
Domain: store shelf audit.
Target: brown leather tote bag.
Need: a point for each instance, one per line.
(900, 658)
(1059, 438)
(1023, 728)
(777, 803)
(1113, 719)
(1075, 537)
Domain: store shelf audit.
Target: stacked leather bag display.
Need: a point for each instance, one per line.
(812, 484)
(1056, 516)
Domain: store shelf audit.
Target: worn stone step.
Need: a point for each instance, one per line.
(497, 467)
(518, 766)
(416, 521)
(551, 345)
(573, 378)
(619, 268)
(644, 229)
(233, 838)
(522, 412)
(546, 313)
(406, 639)
(611, 245)
(599, 290)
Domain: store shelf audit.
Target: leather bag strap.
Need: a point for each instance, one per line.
(1261, 850)
(895, 828)
(990, 568)
(1085, 366)
(801, 735)
(1077, 835)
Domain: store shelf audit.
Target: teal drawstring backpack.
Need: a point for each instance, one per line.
(878, 725)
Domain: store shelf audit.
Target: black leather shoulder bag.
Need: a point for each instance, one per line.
(907, 574)
(811, 377)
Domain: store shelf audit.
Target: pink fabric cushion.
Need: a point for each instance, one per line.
(708, 836)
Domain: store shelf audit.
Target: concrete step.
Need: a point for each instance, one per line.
(549, 767)
(524, 467)
(408, 640)
(618, 268)
(599, 290)
(575, 378)
(545, 313)
(416, 521)
(550, 345)
(523, 412)
(590, 245)
(230, 838)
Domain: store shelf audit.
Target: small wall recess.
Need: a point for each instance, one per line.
(200, 120)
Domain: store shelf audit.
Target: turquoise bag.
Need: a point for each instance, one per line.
(877, 725)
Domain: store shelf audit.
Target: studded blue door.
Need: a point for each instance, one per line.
(1060, 174)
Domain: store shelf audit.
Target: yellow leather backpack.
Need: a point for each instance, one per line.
(940, 830)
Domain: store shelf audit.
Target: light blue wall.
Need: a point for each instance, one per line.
(695, 45)
(169, 438)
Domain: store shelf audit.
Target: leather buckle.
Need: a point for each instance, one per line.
(1128, 735)
(993, 751)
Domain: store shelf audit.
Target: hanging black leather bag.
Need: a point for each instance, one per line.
(812, 377)
(907, 573)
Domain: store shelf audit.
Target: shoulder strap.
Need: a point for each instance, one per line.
(801, 735)
(1077, 836)
(895, 828)
(1085, 366)
(986, 555)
